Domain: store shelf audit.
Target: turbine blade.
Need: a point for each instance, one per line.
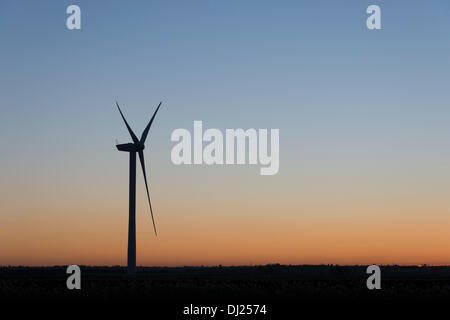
(141, 158)
(144, 134)
(133, 136)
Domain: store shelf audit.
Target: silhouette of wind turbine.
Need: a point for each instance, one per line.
(137, 146)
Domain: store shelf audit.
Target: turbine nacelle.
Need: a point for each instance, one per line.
(129, 147)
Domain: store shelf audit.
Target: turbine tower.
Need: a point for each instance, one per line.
(137, 146)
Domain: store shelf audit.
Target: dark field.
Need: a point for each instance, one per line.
(280, 287)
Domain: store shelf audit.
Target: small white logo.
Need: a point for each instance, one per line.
(74, 20)
(74, 280)
(374, 281)
(374, 20)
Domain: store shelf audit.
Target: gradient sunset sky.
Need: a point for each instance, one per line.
(364, 119)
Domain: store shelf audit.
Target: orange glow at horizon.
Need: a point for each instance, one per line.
(248, 228)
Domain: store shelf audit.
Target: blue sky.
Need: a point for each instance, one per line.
(310, 68)
(272, 64)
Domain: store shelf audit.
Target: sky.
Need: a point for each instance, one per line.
(363, 117)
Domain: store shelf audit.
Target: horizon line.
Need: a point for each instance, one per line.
(232, 266)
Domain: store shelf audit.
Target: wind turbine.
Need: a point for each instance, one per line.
(137, 146)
